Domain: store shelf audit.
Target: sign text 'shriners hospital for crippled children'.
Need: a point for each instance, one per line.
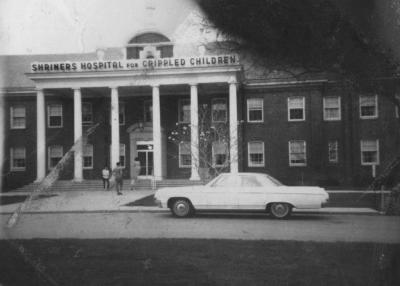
(159, 63)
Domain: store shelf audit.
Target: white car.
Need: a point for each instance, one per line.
(241, 191)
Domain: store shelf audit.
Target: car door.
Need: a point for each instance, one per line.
(252, 193)
(222, 194)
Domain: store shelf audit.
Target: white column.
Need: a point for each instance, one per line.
(233, 128)
(157, 134)
(114, 127)
(78, 161)
(40, 135)
(194, 132)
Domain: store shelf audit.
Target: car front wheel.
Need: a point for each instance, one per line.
(280, 210)
(182, 208)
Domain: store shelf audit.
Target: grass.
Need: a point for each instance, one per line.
(7, 200)
(196, 262)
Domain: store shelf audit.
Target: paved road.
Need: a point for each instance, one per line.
(362, 228)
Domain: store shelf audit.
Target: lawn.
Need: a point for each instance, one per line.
(196, 262)
(7, 200)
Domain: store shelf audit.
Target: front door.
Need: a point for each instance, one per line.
(145, 155)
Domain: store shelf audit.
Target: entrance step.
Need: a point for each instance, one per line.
(95, 185)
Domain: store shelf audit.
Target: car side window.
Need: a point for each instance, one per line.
(227, 181)
(248, 181)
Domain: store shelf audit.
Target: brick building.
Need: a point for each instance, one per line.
(309, 131)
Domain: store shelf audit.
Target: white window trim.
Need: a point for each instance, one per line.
(48, 116)
(91, 155)
(376, 108)
(12, 126)
(179, 156)
(305, 152)
(340, 109)
(336, 153)
(48, 155)
(304, 109)
(180, 107)
(121, 109)
(226, 110)
(377, 154)
(248, 111)
(249, 162)
(91, 112)
(12, 167)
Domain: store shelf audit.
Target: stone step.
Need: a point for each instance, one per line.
(64, 185)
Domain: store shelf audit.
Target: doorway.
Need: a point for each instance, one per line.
(145, 156)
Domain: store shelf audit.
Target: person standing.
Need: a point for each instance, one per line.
(105, 174)
(135, 172)
(118, 174)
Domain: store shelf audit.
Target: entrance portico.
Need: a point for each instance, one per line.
(154, 78)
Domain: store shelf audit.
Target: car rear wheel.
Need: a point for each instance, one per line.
(182, 208)
(280, 210)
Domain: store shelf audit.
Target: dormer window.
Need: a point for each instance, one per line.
(149, 52)
(149, 46)
(149, 55)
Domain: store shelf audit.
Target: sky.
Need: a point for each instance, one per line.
(78, 26)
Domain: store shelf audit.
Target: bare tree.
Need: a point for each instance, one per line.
(336, 39)
(214, 142)
(339, 40)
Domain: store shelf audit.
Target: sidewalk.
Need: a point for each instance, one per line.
(108, 201)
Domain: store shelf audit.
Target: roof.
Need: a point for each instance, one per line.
(14, 67)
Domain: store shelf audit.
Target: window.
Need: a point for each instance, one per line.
(256, 154)
(397, 111)
(368, 106)
(87, 113)
(236, 181)
(297, 153)
(184, 111)
(219, 111)
(122, 155)
(87, 154)
(55, 155)
(332, 108)
(369, 152)
(255, 110)
(17, 117)
(185, 157)
(17, 159)
(54, 115)
(333, 156)
(121, 110)
(296, 108)
(148, 111)
(219, 154)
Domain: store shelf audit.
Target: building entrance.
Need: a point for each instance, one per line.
(145, 155)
